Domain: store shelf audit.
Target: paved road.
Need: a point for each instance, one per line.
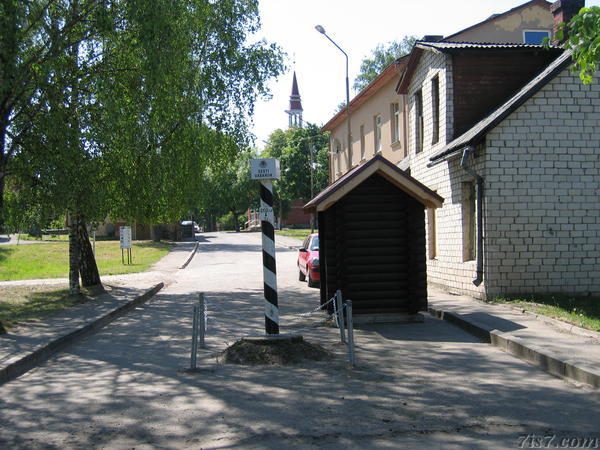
(419, 385)
(13, 239)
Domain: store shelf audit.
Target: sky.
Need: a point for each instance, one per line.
(357, 26)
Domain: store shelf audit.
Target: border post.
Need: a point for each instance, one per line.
(266, 170)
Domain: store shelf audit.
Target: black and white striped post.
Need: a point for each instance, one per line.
(267, 225)
(267, 170)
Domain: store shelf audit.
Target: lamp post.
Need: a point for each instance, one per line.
(321, 30)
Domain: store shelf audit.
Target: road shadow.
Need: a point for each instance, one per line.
(128, 384)
(200, 237)
(493, 322)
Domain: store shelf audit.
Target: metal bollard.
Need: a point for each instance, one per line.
(340, 314)
(350, 333)
(195, 337)
(202, 321)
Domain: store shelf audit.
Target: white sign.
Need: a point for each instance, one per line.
(125, 237)
(265, 169)
(266, 213)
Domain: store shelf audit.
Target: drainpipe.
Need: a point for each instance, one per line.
(464, 163)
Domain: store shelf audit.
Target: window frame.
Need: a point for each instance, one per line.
(469, 221)
(419, 121)
(377, 124)
(432, 242)
(395, 121)
(435, 109)
(362, 142)
(547, 32)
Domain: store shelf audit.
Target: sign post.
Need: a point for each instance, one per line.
(125, 239)
(266, 170)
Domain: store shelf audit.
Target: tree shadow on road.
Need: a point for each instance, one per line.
(127, 385)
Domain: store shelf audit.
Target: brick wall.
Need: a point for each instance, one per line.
(447, 269)
(543, 193)
(541, 167)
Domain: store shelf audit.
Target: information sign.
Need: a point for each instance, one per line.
(265, 169)
(125, 237)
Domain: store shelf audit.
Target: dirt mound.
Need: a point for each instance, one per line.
(273, 351)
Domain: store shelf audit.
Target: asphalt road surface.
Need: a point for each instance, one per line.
(415, 385)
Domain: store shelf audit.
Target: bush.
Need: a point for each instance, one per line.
(226, 222)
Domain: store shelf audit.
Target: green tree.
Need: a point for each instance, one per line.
(296, 148)
(229, 189)
(381, 57)
(117, 106)
(583, 38)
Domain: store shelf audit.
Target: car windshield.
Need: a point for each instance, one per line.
(314, 245)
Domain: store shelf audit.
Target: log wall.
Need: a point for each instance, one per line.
(372, 247)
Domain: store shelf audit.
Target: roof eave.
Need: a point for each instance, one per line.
(333, 193)
(373, 87)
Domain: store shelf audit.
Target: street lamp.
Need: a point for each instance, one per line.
(321, 30)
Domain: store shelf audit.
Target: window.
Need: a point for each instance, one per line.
(432, 233)
(377, 132)
(469, 223)
(335, 157)
(435, 109)
(535, 37)
(418, 121)
(362, 142)
(337, 145)
(395, 122)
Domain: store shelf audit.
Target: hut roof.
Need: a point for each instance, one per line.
(376, 165)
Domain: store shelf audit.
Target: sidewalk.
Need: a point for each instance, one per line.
(561, 349)
(28, 345)
(557, 347)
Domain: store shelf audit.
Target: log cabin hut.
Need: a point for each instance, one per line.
(372, 239)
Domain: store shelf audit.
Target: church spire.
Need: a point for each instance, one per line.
(295, 111)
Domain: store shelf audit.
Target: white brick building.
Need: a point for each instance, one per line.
(502, 130)
(538, 155)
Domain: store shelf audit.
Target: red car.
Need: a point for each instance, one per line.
(308, 260)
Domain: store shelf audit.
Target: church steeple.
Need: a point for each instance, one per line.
(295, 111)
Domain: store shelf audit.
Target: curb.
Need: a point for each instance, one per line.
(544, 359)
(189, 259)
(40, 355)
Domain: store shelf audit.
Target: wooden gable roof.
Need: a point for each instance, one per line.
(376, 165)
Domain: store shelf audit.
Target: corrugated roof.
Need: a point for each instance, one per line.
(477, 133)
(446, 46)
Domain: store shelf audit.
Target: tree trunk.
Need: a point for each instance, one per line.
(155, 233)
(236, 222)
(74, 288)
(88, 269)
(3, 161)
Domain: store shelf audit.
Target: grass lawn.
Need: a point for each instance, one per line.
(31, 303)
(583, 311)
(295, 233)
(50, 260)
